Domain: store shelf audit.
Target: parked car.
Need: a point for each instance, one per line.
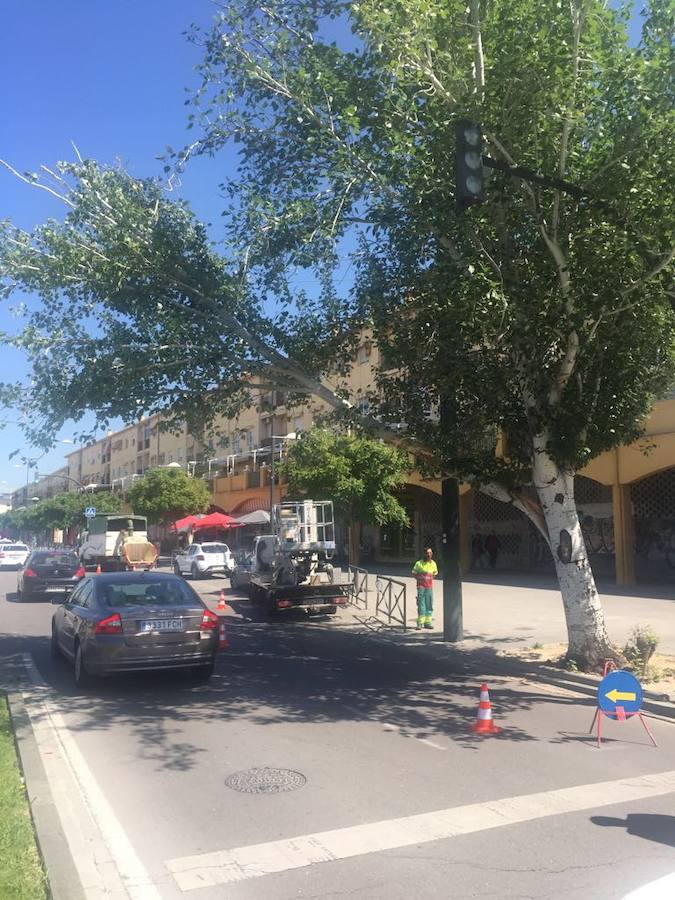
(200, 560)
(240, 576)
(13, 556)
(135, 621)
(52, 573)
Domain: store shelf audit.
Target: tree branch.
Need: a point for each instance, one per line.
(663, 264)
(36, 184)
(520, 501)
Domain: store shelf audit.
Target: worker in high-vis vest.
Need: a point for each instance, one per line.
(424, 571)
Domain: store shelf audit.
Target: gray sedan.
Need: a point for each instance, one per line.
(135, 621)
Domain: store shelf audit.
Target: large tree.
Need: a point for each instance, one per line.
(62, 511)
(164, 495)
(543, 315)
(359, 475)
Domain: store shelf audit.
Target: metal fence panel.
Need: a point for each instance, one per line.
(391, 601)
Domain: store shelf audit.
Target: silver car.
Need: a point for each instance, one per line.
(135, 621)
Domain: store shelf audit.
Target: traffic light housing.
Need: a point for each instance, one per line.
(469, 186)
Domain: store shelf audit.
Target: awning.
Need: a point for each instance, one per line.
(257, 517)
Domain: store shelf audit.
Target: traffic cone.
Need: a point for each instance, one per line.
(484, 723)
(223, 643)
(221, 602)
(98, 568)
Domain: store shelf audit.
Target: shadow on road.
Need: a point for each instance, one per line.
(282, 671)
(650, 826)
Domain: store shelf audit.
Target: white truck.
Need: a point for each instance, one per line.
(291, 567)
(117, 542)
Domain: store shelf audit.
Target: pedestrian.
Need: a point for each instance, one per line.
(493, 546)
(477, 551)
(424, 571)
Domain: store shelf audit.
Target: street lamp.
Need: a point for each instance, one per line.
(291, 436)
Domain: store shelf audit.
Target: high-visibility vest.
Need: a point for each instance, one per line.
(424, 573)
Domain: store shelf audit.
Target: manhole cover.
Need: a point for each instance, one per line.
(265, 781)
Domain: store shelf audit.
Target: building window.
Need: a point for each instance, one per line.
(298, 424)
(363, 353)
(249, 440)
(236, 442)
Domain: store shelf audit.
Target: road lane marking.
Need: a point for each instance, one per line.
(428, 743)
(243, 863)
(105, 859)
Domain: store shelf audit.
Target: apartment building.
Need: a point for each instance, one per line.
(113, 462)
(626, 496)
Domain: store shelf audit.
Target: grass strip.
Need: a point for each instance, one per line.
(22, 876)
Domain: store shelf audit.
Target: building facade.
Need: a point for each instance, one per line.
(626, 497)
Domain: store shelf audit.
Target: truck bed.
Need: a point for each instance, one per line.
(304, 596)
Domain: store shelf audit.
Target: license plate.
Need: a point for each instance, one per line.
(56, 590)
(162, 625)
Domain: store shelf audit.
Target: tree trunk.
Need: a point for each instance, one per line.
(589, 643)
(354, 542)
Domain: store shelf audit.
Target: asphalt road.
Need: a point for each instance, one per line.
(394, 796)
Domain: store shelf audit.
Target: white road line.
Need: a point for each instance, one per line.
(242, 863)
(106, 861)
(428, 743)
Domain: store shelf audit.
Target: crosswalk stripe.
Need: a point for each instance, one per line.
(254, 861)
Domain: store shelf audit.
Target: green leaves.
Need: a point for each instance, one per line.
(359, 475)
(63, 511)
(165, 495)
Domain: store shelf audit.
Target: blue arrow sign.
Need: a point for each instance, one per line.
(90, 512)
(619, 688)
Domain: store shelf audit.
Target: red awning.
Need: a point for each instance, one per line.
(216, 520)
(185, 523)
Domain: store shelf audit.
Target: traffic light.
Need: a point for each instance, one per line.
(468, 164)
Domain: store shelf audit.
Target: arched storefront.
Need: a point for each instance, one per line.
(653, 505)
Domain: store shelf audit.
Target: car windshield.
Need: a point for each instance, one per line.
(214, 548)
(18, 547)
(146, 592)
(55, 559)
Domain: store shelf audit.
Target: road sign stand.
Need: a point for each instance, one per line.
(618, 712)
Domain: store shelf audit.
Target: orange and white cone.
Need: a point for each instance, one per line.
(223, 643)
(484, 723)
(221, 602)
(98, 569)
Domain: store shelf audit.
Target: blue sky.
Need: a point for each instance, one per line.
(112, 77)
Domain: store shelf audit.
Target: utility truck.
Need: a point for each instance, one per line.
(291, 567)
(117, 543)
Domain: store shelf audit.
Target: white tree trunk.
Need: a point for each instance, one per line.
(589, 644)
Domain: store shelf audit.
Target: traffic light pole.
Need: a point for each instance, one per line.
(453, 626)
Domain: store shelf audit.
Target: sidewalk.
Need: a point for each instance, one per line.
(508, 610)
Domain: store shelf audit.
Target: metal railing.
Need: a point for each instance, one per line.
(391, 601)
(358, 587)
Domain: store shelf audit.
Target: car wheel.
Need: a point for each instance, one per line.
(176, 569)
(82, 677)
(203, 673)
(54, 648)
(195, 572)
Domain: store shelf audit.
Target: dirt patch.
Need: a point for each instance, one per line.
(661, 681)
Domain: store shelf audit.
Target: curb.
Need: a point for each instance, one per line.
(485, 661)
(64, 881)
